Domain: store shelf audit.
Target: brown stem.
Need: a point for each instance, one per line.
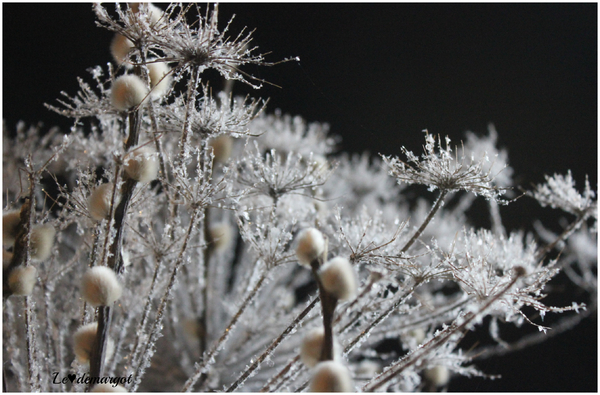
(432, 212)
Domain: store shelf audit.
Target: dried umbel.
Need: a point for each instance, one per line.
(100, 286)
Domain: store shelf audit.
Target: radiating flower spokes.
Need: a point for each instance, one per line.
(440, 169)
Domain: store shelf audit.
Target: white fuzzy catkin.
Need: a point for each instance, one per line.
(141, 164)
(99, 202)
(119, 48)
(312, 346)
(338, 278)
(105, 387)
(331, 376)
(83, 341)
(220, 236)
(10, 227)
(438, 375)
(311, 244)
(160, 79)
(100, 286)
(154, 12)
(128, 91)
(21, 280)
(42, 241)
(222, 146)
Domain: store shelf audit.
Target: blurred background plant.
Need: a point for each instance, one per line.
(243, 214)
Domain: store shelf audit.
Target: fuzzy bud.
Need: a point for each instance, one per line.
(311, 244)
(312, 347)
(10, 227)
(42, 241)
(160, 79)
(83, 341)
(222, 147)
(128, 91)
(331, 376)
(100, 286)
(141, 164)
(438, 375)
(338, 278)
(220, 236)
(120, 47)
(106, 387)
(154, 12)
(99, 202)
(6, 258)
(22, 279)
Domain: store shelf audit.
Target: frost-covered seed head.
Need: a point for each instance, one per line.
(141, 164)
(106, 387)
(42, 241)
(160, 79)
(99, 202)
(22, 279)
(312, 346)
(438, 375)
(311, 245)
(128, 91)
(331, 376)
(220, 235)
(100, 286)
(222, 146)
(83, 341)
(10, 227)
(119, 48)
(338, 278)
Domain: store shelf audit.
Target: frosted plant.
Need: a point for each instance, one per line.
(180, 238)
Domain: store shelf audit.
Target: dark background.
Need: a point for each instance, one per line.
(379, 74)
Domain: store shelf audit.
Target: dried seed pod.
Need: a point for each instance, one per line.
(438, 375)
(105, 387)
